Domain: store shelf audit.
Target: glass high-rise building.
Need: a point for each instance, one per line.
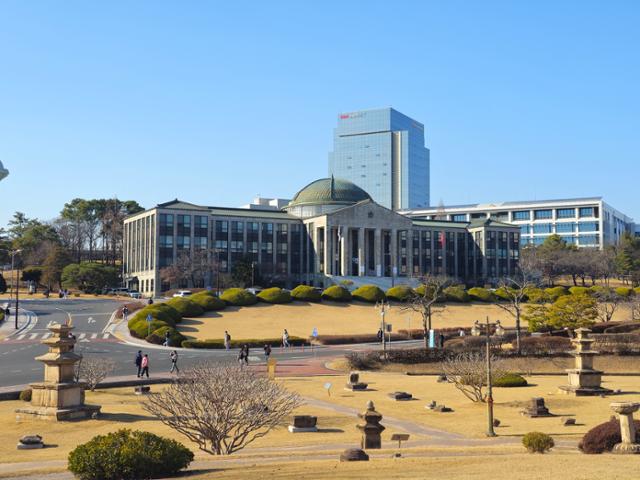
(382, 151)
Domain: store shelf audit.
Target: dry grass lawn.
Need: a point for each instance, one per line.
(268, 321)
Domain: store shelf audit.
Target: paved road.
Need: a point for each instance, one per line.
(90, 317)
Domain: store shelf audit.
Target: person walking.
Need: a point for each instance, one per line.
(285, 339)
(267, 351)
(167, 339)
(174, 362)
(138, 362)
(241, 357)
(380, 334)
(441, 340)
(461, 333)
(150, 301)
(227, 340)
(125, 313)
(145, 366)
(73, 345)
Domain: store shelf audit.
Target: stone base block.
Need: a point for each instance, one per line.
(584, 391)
(29, 446)
(58, 414)
(356, 386)
(142, 390)
(293, 429)
(626, 448)
(354, 455)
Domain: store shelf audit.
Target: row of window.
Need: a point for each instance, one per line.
(565, 227)
(582, 240)
(582, 212)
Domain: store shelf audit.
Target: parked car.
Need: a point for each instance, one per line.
(182, 293)
(135, 294)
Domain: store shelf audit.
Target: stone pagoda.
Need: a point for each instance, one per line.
(59, 397)
(583, 380)
(371, 429)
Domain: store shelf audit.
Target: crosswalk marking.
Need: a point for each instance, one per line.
(39, 336)
(46, 335)
(33, 335)
(81, 336)
(106, 335)
(94, 335)
(20, 337)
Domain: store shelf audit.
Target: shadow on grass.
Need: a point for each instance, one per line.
(126, 417)
(330, 430)
(197, 471)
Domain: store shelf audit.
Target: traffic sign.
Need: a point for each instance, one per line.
(314, 334)
(149, 318)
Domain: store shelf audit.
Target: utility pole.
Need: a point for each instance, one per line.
(16, 283)
(490, 431)
(383, 307)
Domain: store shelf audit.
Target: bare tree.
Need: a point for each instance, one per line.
(468, 373)
(192, 266)
(634, 307)
(425, 298)
(93, 370)
(513, 292)
(608, 302)
(222, 408)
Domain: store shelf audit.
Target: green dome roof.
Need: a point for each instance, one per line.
(329, 191)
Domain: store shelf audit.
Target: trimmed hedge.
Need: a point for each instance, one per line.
(510, 380)
(368, 293)
(624, 291)
(501, 294)
(457, 293)
(128, 455)
(400, 293)
(336, 293)
(306, 293)
(159, 311)
(163, 316)
(218, 343)
(603, 437)
(238, 297)
(274, 295)
(186, 307)
(480, 294)
(555, 293)
(208, 301)
(537, 295)
(158, 336)
(544, 345)
(579, 290)
(537, 442)
(354, 338)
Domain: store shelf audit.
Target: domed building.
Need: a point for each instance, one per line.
(3, 171)
(325, 196)
(330, 231)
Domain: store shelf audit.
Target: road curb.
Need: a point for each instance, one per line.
(30, 315)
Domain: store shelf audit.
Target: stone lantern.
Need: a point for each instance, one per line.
(583, 380)
(59, 397)
(371, 430)
(627, 427)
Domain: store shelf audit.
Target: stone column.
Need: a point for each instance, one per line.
(627, 428)
(377, 252)
(345, 252)
(362, 262)
(328, 251)
(410, 253)
(394, 253)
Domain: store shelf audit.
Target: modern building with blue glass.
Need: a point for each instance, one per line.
(383, 152)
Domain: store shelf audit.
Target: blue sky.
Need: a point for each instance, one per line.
(215, 102)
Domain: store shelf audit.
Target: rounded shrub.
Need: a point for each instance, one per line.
(637, 290)
(336, 293)
(624, 291)
(159, 311)
(25, 395)
(185, 307)
(555, 293)
(207, 301)
(501, 294)
(510, 380)
(128, 455)
(480, 294)
(537, 442)
(368, 293)
(579, 290)
(457, 293)
(158, 336)
(400, 293)
(536, 295)
(238, 297)
(274, 295)
(306, 293)
(603, 437)
(142, 328)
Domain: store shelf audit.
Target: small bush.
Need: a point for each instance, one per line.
(410, 356)
(336, 293)
(306, 293)
(238, 297)
(400, 293)
(555, 293)
(128, 455)
(603, 437)
(218, 343)
(25, 395)
(537, 442)
(457, 293)
(208, 301)
(158, 337)
(536, 295)
(368, 293)
(579, 290)
(624, 291)
(185, 307)
(354, 338)
(142, 328)
(544, 346)
(159, 311)
(480, 294)
(501, 294)
(364, 360)
(274, 295)
(510, 380)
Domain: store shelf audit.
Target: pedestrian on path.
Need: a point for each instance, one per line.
(242, 359)
(150, 301)
(380, 335)
(227, 340)
(167, 339)
(267, 351)
(138, 362)
(285, 339)
(174, 362)
(72, 337)
(461, 333)
(145, 366)
(125, 313)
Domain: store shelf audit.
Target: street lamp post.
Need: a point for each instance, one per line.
(383, 307)
(490, 431)
(15, 283)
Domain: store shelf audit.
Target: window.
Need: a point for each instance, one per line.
(522, 215)
(183, 242)
(459, 217)
(565, 227)
(166, 224)
(525, 229)
(200, 243)
(590, 240)
(587, 212)
(566, 213)
(587, 226)
(568, 239)
(222, 228)
(542, 228)
(542, 214)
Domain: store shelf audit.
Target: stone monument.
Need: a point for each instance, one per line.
(537, 409)
(583, 380)
(627, 427)
(59, 397)
(304, 423)
(355, 383)
(371, 430)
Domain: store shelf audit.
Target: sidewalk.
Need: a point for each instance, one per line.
(7, 327)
